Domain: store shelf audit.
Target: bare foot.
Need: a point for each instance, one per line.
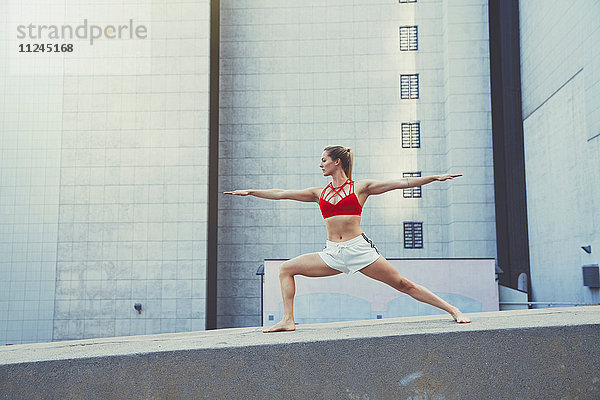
(281, 327)
(459, 317)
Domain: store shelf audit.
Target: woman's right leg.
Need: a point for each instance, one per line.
(307, 265)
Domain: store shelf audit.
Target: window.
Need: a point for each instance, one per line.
(409, 86)
(411, 135)
(413, 235)
(414, 191)
(408, 38)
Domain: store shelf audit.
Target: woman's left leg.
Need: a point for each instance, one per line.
(385, 272)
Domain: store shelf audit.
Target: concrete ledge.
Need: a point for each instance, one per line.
(533, 354)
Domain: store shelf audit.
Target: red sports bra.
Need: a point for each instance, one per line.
(347, 205)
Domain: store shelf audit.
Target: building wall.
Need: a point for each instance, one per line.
(104, 176)
(469, 284)
(296, 78)
(104, 155)
(470, 210)
(561, 120)
(30, 143)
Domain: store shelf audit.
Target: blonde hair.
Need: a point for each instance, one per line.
(344, 154)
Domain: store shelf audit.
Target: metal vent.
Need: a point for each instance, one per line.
(409, 39)
(411, 135)
(413, 235)
(591, 276)
(409, 86)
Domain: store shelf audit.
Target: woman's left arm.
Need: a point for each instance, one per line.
(370, 187)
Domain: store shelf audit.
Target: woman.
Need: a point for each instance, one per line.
(348, 249)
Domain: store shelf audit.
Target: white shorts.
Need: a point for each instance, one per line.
(350, 256)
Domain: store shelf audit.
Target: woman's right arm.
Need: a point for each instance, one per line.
(307, 195)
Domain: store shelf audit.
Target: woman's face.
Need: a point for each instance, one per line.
(328, 165)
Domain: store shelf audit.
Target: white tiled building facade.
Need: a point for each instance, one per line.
(104, 173)
(103, 177)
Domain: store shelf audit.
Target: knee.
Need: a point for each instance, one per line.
(286, 269)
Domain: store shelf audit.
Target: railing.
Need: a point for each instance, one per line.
(549, 303)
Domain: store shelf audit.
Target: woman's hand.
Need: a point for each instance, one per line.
(446, 176)
(239, 192)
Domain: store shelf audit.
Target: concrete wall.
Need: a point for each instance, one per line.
(530, 354)
(561, 120)
(103, 175)
(298, 77)
(467, 284)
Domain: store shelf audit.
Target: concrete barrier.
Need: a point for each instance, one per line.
(525, 354)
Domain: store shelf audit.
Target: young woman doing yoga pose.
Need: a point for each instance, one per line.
(348, 249)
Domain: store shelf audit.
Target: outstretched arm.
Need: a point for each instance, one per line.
(379, 187)
(307, 195)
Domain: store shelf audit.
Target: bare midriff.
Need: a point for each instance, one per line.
(343, 227)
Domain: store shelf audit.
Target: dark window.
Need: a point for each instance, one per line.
(407, 1)
(409, 39)
(409, 86)
(413, 235)
(411, 135)
(414, 191)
